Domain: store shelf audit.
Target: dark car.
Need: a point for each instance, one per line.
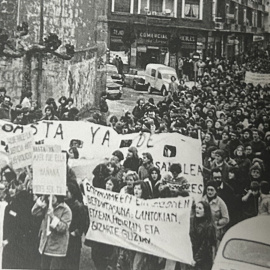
(135, 79)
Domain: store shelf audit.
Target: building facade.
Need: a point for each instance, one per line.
(210, 27)
(154, 23)
(239, 23)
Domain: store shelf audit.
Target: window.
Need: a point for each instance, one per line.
(159, 76)
(192, 9)
(156, 5)
(153, 72)
(121, 6)
(248, 252)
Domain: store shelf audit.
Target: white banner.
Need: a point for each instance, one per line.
(20, 148)
(159, 227)
(49, 173)
(169, 148)
(257, 78)
(95, 143)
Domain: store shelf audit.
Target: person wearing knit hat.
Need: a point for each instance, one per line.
(218, 207)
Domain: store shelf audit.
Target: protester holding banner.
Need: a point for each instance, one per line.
(141, 191)
(54, 240)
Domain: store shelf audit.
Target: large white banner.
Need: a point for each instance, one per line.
(95, 143)
(257, 78)
(159, 227)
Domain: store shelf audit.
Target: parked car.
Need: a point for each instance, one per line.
(245, 246)
(135, 79)
(158, 77)
(112, 73)
(113, 90)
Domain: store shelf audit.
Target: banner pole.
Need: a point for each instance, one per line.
(49, 219)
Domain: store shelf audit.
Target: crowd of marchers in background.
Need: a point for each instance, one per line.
(232, 120)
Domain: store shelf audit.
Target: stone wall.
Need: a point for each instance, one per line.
(74, 21)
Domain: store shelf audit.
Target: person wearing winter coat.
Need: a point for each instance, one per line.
(53, 244)
(218, 208)
(132, 161)
(19, 238)
(264, 199)
(203, 236)
(76, 228)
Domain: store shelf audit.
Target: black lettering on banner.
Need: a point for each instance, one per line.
(106, 138)
(199, 170)
(151, 229)
(18, 128)
(7, 128)
(34, 127)
(133, 236)
(155, 216)
(48, 127)
(59, 131)
(148, 142)
(114, 220)
(141, 140)
(200, 189)
(94, 133)
(192, 169)
(97, 226)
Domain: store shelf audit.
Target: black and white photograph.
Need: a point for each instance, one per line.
(135, 134)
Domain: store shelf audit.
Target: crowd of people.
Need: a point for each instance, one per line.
(230, 117)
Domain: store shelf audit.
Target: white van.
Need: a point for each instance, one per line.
(158, 77)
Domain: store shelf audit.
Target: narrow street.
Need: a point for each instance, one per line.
(128, 100)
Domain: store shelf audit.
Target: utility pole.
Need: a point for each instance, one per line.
(39, 84)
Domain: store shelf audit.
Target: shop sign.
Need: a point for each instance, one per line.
(258, 38)
(150, 38)
(188, 38)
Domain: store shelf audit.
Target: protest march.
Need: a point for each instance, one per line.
(156, 189)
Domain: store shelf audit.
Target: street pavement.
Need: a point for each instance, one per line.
(130, 97)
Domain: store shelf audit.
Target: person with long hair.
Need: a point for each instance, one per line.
(129, 180)
(132, 161)
(154, 177)
(76, 229)
(203, 236)
(141, 191)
